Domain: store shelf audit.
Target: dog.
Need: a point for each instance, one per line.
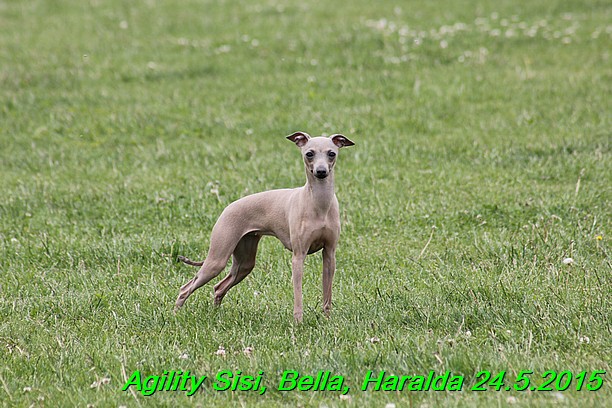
(305, 219)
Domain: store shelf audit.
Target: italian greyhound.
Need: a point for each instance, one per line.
(304, 219)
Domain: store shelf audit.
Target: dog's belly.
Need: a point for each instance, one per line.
(315, 246)
(283, 238)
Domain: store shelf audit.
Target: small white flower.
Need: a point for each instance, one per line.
(584, 339)
(374, 340)
(27, 389)
(248, 351)
(224, 49)
(559, 396)
(511, 400)
(123, 25)
(345, 397)
(390, 405)
(184, 356)
(443, 44)
(220, 351)
(568, 261)
(468, 333)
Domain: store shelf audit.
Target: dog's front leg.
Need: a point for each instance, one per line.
(297, 271)
(329, 267)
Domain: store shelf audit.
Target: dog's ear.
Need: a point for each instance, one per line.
(299, 138)
(341, 140)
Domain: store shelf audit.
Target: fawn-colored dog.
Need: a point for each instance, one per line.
(304, 219)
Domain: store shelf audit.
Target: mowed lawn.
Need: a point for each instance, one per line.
(476, 203)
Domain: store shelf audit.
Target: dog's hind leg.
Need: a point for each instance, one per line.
(223, 242)
(243, 262)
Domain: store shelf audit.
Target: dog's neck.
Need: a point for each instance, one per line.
(320, 191)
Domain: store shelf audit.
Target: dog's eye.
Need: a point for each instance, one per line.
(310, 155)
(331, 155)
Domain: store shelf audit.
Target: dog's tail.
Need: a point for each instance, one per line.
(188, 261)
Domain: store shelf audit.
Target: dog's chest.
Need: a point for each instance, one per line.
(319, 236)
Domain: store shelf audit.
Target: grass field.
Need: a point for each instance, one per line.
(482, 162)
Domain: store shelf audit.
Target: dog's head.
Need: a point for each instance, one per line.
(319, 153)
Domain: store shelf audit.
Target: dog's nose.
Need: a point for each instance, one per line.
(321, 173)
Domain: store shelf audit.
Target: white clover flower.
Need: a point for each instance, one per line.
(559, 396)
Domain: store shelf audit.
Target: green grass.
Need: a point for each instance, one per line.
(126, 128)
